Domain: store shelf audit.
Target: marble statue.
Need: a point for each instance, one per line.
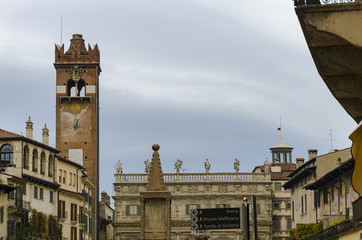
(119, 167)
(147, 166)
(236, 165)
(178, 165)
(207, 165)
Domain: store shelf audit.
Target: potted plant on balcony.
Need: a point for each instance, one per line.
(35, 170)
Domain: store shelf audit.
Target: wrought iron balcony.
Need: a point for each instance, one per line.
(19, 205)
(320, 2)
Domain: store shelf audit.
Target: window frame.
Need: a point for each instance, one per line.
(6, 154)
(41, 194)
(35, 195)
(133, 210)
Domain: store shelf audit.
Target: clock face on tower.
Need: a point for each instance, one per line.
(75, 108)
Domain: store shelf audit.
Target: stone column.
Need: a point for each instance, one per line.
(155, 204)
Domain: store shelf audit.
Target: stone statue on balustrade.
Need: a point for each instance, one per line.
(147, 166)
(207, 165)
(267, 166)
(119, 167)
(178, 165)
(236, 165)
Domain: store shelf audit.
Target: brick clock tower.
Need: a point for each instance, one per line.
(77, 108)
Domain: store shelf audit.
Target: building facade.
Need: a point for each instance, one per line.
(27, 166)
(106, 215)
(75, 200)
(190, 191)
(321, 189)
(35, 180)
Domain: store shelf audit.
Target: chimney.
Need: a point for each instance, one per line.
(299, 161)
(108, 200)
(45, 135)
(105, 198)
(312, 153)
(29, 129)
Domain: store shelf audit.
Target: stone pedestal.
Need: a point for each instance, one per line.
(155, 215)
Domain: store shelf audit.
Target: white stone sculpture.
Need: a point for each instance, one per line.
(178, 165)
(207, 165)
(236, 165)
(119, 167)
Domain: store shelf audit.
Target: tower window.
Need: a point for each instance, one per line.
(76, 88)
(6, 154)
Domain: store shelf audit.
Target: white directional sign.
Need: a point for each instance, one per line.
(215, 218)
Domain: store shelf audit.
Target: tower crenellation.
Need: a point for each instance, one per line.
(77, 52)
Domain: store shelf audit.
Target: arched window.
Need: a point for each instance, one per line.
(81, 88)
(42, 163)
(76, 89)
(26, 157)
(50, 166)
(6, 154)
(35, 160)
(71, 88)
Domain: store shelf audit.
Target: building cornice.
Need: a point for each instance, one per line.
(41, 182)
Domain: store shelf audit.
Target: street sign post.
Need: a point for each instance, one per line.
(215, 218)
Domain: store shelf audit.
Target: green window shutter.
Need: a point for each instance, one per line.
(41, 193)
(90, 225)
(127, 210)
(187, 208)
(35, 192)
(2, 214)
(86, 223)
(90, 200)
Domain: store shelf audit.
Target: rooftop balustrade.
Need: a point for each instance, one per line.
(196, 177)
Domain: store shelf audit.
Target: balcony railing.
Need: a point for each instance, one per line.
(319, 2)
(19, 204)
(334, 231)
(196, 177)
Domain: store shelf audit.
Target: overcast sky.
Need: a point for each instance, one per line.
(203, 78)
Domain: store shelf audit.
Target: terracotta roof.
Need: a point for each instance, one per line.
(6, 134)
(70, 162)
(286, 169)
(297, 177)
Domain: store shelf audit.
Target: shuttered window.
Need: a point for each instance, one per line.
(2, 214)
(133, 210)
(35, 192)
(90, 225)
(41, 193)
